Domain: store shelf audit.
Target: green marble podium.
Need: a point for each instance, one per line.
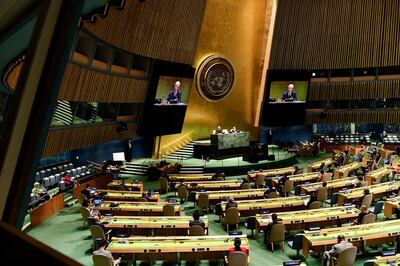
(230, 140)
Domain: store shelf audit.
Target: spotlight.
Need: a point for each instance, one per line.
(313, 74)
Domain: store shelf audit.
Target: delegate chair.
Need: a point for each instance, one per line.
(296, 243)
(273, 195)
(232, 218)
(203, 201)
(288, 187)
(367, 200)
(143, 199)
(85, 215)
(369, 218)
(245, 186)
(345, 258)
(168, 210)
(334, 199)
(81, 198)
(220, 178)
(98, 232)
(314, 205)
(183, 193)
(196, 230)
(378, 208)
(327, 177)
(277, 234)
(260, 180)
(297, 190)
(100, 260)
(322, 194)
(164, 185)
(237, 258)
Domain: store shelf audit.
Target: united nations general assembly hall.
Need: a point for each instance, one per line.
(200, 132)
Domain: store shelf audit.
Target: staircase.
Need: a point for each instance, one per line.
(101, 11)
(184, 153)
(192, 169)
(134, 169)
(63, 112)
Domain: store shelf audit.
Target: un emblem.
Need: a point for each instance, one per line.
(215, 78)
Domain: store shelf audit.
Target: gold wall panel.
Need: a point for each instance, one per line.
(237, 31)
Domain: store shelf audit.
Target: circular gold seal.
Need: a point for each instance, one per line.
(215, 78)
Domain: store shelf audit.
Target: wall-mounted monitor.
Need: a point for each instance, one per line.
(288, 91)
(173, 90)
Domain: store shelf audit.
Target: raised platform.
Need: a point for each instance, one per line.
(233, 166)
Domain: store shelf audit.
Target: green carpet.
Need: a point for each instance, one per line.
(64, 233)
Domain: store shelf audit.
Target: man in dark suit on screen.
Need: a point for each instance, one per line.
(289, 95)
(174, 94)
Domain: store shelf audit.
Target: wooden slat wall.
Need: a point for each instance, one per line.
(84, 84)
(333, 34)
(388, 116)
(161, 29)
(66, 139)
(377, 89)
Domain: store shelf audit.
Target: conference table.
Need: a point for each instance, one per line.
(377, 191)
(253, 207)
(391, 205)
(314, 166)
(296, 220)
(189, 248)
(134, 185)
(230, 140)
(121, 195)
(135, 208)
(332, 185)
(178, 178)
(298, 179)
(362, 235)
(150, 225)
(345, 170)
(213, 185)
(376, 175)
(220, 195)
(252, 175)
(387, 260)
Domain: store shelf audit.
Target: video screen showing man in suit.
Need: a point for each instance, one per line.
(172, 90)
(290, 95)
(174, 94)
(288, 91)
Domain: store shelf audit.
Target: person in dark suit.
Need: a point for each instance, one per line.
(231, 204)
(196, 220)
(360, 200)
(174, 94)
(364, 211)
(275, 221)
(281, 183)
(218, 130)
(86, 192)
(289, 95)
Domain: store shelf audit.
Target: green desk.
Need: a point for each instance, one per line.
(136, 208)
(150, 225)
(360, 235)
(135, 185)
(298, 179)
(190, 248)
(253, 207)
(378, 191)
(120, 195)
(345, 170)
(213, 185)
(391, 205)
(387, 261)
(296, 220)
(251, 176)
(332, 185)
(239, 194)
